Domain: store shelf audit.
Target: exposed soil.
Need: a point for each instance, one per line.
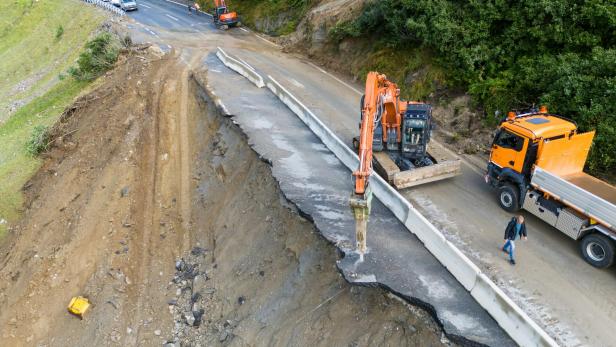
(143, 173)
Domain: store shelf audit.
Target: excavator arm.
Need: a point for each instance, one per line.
(380, 104)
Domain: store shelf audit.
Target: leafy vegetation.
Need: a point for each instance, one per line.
(513, 54)
(59, 32)
(39, 140)
(100, 55)
(282, 16)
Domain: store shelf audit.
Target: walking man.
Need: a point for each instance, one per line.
(515, 229)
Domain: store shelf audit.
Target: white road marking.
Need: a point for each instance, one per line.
(336, 78)
(244, 29)
(268, 41)
(295, 82)
(144, 5)
(151, 32)
(172, 17)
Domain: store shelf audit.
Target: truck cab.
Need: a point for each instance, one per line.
(536, 163)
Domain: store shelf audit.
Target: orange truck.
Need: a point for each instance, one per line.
(222, 17)
(536, 163)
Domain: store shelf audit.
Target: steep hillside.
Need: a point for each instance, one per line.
(39, 41)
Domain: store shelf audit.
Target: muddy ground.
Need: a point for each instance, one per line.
(155, 208)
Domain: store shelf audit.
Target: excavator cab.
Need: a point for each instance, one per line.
(416, 130)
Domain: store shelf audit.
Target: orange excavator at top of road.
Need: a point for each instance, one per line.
(222, 17)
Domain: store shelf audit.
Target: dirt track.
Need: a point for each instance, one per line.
(144, 170)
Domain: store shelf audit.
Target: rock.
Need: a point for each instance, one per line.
(198, 316)
(157, 332)
(195, 297)
(173, 302)
(190, 318)
(198, 251)
(261, 273)
(198, 284)
(241, 300)
(180, 265)
(124, 192)
(223, 336)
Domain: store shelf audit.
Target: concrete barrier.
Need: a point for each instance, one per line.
(508, 314)
(107, 6)
(240, 68)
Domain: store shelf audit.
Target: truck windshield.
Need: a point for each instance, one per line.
(506, 139)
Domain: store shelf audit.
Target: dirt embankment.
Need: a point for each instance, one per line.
(142, 171)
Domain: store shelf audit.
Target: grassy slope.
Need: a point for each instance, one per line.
(29, 49)
(28, 45)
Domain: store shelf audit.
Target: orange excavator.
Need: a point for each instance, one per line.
(395, 133)
(222, 17)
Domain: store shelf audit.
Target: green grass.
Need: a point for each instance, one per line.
(398, 65)
(16, 164)
(37, 38)
(31, 48)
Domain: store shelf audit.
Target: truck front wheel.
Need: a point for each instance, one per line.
(508, 197)
(598, 250)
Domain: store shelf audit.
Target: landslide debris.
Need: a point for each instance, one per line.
(155, 208)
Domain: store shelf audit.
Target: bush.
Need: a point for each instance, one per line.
(59, 32)
(100, 55)
(39, 140)
(514, 54)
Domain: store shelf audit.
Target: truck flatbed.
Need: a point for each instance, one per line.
(583, 192)
(594, 185)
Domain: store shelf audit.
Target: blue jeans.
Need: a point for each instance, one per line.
(509, 247)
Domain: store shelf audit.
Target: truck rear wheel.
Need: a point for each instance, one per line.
(508, 197)
(598, 250)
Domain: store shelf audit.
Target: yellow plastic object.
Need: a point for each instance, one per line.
(78, 306)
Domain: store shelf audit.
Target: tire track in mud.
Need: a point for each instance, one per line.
(150, 168)
(184, 155)
(167, 173)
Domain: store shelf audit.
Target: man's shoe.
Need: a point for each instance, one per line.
(512, 262)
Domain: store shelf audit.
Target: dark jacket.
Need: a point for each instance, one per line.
(510, 230)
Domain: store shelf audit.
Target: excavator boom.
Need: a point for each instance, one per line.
(380, 104)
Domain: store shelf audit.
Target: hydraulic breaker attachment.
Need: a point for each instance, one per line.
(360, 206)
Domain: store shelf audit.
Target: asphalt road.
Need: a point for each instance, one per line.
(573, 301)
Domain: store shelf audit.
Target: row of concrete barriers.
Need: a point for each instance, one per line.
(508, 314)
(107, 6)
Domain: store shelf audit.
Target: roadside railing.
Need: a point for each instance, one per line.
(106, 6)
